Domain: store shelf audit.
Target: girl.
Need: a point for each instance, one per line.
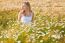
(26, 14)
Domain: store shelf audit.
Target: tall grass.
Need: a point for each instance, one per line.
(44, 29)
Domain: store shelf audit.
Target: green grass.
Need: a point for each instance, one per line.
(43, 29)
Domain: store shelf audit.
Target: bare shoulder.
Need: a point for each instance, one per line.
(32, 12)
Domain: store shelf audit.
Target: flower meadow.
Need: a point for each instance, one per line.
(45, 28)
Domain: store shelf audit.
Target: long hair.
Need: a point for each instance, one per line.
(28, 5)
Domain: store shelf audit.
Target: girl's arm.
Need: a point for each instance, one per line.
(19, 16)
(32, 16)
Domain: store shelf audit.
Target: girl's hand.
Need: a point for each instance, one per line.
(22, 11)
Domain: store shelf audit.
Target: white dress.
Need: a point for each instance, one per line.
(26, 19)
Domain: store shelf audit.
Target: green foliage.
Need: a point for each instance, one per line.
(44, 29)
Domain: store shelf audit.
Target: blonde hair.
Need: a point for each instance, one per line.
(28, 5)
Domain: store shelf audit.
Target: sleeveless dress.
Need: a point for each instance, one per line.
(26, 19)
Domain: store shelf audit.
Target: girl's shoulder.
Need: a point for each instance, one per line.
(32, 12)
